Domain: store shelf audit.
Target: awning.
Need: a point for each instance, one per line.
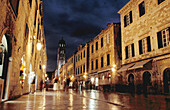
(139, 64)
(124, 68)
(103, 71)
(92, 74)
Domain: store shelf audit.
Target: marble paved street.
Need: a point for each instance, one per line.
(86, 100)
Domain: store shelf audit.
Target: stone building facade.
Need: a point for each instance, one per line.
(21, 30)
(145, 29)
(63, 73)
(71, 67)
(97, 60)
(81, 63)
(105, 55)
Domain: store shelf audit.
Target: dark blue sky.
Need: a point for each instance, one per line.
(77, 21)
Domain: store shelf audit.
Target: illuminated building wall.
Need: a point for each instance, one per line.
(21, 27)
(145, 28)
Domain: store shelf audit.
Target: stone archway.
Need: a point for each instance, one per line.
(131, 83)
(6, 49)
(131, 78)
(146, 81)
(166, 80)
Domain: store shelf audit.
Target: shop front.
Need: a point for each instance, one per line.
(104, 78)
(136, 77)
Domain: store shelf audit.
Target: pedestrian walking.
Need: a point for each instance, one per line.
(67, 83)
(41, 85)
(47, 84)
(55, 86)
(33, 85)
(76, 85)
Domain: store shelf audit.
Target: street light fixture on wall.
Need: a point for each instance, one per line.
(39, 46)
(43, 66)
(114, 68)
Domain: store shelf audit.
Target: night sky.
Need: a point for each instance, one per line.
(77, 21)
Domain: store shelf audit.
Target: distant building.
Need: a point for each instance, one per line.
(97, 60)
(60, 56)
(105, 55)
(145, 29)
(81, 63)
(63, 72)
(70, 67)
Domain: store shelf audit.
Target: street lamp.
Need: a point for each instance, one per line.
(39, 46)
(114, 68)
(43, 66)
(72, 77)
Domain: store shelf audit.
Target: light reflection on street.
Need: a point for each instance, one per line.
(44, 100)
(71, 100)
(54, 100)
(84, 102)
(89, 100)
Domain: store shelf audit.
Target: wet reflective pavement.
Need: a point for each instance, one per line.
(86, 100)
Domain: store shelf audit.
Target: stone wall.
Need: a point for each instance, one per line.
(23, 45)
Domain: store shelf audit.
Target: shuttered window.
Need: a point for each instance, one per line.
(108, 59)
(101, 61)
(128, 19)
(126, 51)
(148, 43)
(84, 54)
(84, 68)
(163, 38)
(92, 49)
(96, 63)
(101, 42)
(96, 45)
(144, 45)
(133, 50)
(130, 51)
(141, 8)
(91, 65)
(160, 1)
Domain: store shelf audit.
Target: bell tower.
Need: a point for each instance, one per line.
(60, 56)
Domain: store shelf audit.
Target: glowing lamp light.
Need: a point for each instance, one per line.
(113, 69)
(92, 79)
(114, 66)
(43, 66)
(72, 77)
(45, 75)
(84, 76)
(109, 75)
(39, 46)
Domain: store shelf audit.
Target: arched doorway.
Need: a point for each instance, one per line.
(5, 54)
(166, 80)
(131, 78)
(146, 81)
(131, 83)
